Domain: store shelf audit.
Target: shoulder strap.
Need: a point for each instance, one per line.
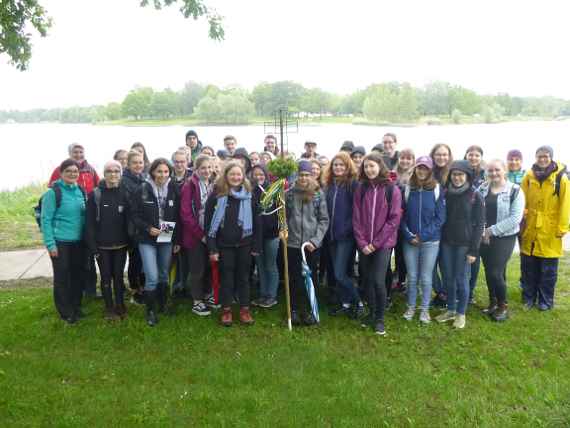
(558, 180)
(436, 192)
(57, 192)
(97, 197)
(407, 193)
(514, 193)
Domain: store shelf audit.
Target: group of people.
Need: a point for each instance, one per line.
(194, 224)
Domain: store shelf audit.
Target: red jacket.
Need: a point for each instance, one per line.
(88, 178)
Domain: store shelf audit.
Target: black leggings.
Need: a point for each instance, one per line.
(135, 270)
(299, 296)
(112, 266)
(234, 266)
(495, 257)
(68, 267)
(374, 267)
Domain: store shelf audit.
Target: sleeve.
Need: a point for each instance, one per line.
(357, 219)
(47, 216)
(322, 223)
(95, 178)
(525, 185)
(515, 216)
(90, 224)
(257, 227)
(190, 223)
(408, 235)
(208, 214)
(440, 211)
(478, 221)
(392, 223)
(177, 234)
(564, 198)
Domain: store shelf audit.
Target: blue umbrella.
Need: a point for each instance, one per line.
(309, 285)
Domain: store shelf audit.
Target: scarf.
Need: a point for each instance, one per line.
(542, 174)
(245, 215)
(452, 190)
(160, 193)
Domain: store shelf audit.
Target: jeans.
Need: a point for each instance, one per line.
(495, 257)
(374, 267)
(420, 262)
(112, 267)
(340, 253)
(156, 263)
(539, 279)
(267, 269)
(67, 277)
(455, 274)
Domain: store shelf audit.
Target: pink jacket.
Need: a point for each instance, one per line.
(190, 205)
(372, 221)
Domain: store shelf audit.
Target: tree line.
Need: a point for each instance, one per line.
(393, 102)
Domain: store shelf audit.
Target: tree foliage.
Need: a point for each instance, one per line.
(17, 17)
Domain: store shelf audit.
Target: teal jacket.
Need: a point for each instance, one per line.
(66, 222)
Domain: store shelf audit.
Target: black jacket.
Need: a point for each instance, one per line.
(131, 182)
(144, 207)
(112, 228)
(465, 220)
(269, 223)
(230, 233)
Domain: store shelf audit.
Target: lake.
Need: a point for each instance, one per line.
(30, 152)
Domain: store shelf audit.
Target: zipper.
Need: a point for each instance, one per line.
(420, 213)
(373, 215)
(302, 219)
(333, 212)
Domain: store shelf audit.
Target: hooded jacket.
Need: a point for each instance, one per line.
(111, 231)
(87, 179)
(546, 214)
(65, 223)
(339, 205)
(374, 220)
(307, 221)
(424, 215)
(190, 206)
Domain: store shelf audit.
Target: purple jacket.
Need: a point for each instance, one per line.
(190, 205)
(372, 221)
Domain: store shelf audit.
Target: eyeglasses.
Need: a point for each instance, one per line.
(112, 171)
(71, 171)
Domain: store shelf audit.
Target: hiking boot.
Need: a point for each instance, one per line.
(268, 303)
(200, 309)
(379, 328)
(245, 316)
(446, 316)
(226, 318)
(501, 314)
(358, 311)
(409, 314)
(295, 318)
(543, 307)
(424, 317)
(459, 322)
(489, 310)
(150, 300)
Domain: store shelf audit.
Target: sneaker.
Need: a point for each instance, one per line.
(379, 328)
(358, 311)
(200, 309)
(446, 316)
(211, 303)
(245, 316)
(527, 306)
(459, 321)
(409, 314)
(367, 321)
(543, 307)
(258, 301)
(268, 303)
(424, 317)
(339, 310)
(490, 310)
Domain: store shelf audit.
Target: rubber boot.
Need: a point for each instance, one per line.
(501, 314)
(150, 300)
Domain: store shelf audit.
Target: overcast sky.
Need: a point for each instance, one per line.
(98, 50)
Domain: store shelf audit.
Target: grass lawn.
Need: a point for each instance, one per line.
(18, 228)
(191, 372)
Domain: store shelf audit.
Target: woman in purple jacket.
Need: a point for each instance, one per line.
(376, 217)
(195, 192)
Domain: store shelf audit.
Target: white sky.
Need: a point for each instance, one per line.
(98, 50)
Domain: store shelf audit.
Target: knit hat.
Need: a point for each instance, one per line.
(546, 149)
(514, 154)
(378, 148)
(347, 146)
(113, 163)
(191, 133)
(223, 154)
(310, 143)
(425, 161)
(360, 150)
(241, 153)
(305, 166)
(73, 146)
(463, 166)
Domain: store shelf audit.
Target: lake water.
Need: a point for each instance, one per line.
(30, 152)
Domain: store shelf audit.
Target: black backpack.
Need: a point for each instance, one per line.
(558, 179)
(38, 207)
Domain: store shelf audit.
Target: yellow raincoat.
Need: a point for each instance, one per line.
(547, 216)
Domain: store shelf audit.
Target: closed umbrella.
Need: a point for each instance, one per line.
(309, 285)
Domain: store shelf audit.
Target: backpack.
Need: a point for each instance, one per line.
(436, 191)
(57, 191)
(389, 191)
(558, 180)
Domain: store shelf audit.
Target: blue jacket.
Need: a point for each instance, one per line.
(339, 205)
(423, 215)
(509, 215)
(66, 222)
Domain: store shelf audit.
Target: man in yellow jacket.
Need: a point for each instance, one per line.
(546, 221)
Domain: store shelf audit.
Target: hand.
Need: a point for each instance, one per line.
(471, 259)
(254, 253)
(203, 239)
(283, 235)
(415, 241)
(153, 231)
(214, 257)
(369, 249)
(310, 247)
(53, 253)
(175, 249)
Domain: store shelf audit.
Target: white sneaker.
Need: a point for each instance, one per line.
(424, 317)
(446, 316)
(459, 321)
(409, 314)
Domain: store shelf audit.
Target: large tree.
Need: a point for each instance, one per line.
(19, 17)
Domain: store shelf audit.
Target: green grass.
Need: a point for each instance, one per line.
(18, 228)
(191, 372)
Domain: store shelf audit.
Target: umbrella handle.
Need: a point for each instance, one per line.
(303, 251)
